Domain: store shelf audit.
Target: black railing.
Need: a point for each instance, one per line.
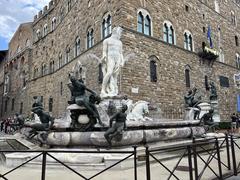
(198, 156)
(212, 149)
(46, 153)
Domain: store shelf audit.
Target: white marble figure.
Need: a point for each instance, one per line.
(112, 60)
(138, 111)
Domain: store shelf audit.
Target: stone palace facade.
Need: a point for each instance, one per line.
(170, 41)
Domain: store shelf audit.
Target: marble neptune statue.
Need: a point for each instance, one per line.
(112, 60)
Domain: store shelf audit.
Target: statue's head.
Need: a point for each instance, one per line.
(211, 111)
(124, 108)
(39, 112)
(117, 32)
(81, 80)
(194, 89)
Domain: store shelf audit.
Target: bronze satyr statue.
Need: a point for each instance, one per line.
(46, 120)
(207, 120)
(192, 99)
(213, 92)
(116, 130)
(80, 97)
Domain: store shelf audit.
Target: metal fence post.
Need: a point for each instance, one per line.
(148, 172)
(195, 158)
(190, 163)
(228, 151)
(135, 162)
(219, 159)
(233, 156)
(44, 159)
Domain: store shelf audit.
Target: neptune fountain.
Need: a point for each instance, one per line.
(112, 119)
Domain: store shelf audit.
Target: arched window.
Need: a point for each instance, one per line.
(100, 74)
(54, 23)
(67, 57)
(171, 35)
(106, 26)
(144, 22)
(165, 32)
(221, 55)
(38, 33)
(11, 66)
(45, 30)
(6, 84)
(188, 42)
(216, 3)
(27, 43)
(61, 16)
(50, 104)
(61, 88)
(187, 76)
(153, 69)
(60, 63)
(24, 82)
(18, 49)
(109, 24)
(233, 18)
(90, 38)
(69, 5)
(219, 34)
(147, 27)
(44, 69)
(236, 41)
(168, 33)
(206, 83)
(13, 103)
(35, 72)
(237, 61)
(51, 67)
(140, 23)
(77, 47)
(21, 108)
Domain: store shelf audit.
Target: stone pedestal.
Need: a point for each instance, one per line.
(189, 113)
(103, 107)
(117, 101)
(205, 107)
(214, 105)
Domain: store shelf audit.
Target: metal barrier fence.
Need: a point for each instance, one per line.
(212, 149)
(46, 153)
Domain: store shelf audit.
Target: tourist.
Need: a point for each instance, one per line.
(7, 124)
(2, 124)
(234, 123)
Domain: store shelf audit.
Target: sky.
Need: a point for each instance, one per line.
(15, 12)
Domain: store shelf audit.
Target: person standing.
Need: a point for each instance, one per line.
(234, 123)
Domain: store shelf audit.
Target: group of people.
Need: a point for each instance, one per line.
(11, 124)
